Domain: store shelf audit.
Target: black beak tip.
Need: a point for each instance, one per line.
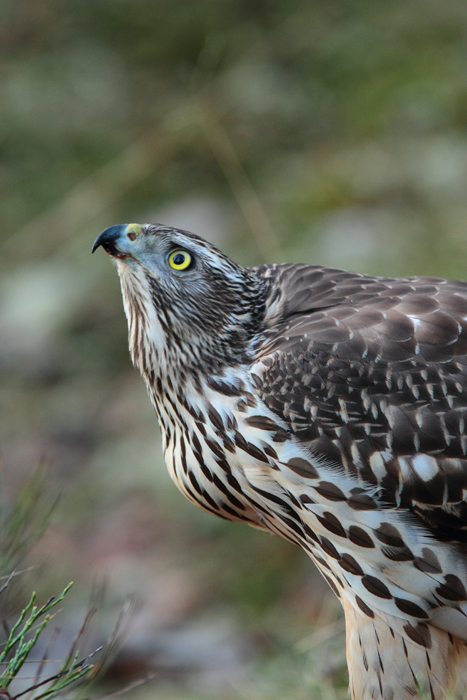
(99, 241)
(107, 239)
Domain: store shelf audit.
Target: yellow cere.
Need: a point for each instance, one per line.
(179, 259)
(133, 228)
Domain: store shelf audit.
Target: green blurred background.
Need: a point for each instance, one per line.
(327, 131)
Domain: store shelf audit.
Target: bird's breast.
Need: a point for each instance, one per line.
(230, 455)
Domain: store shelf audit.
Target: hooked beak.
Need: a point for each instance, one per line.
(114, 241)
(109, 239)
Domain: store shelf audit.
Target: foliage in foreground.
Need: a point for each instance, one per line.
(22, 639)
(22, 524)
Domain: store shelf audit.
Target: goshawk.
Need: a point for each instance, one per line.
(330, 408)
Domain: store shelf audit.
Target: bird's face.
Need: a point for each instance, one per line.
(186, 301)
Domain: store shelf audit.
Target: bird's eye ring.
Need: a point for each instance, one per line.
(180, 259)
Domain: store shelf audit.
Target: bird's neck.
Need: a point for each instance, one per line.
(168, 348)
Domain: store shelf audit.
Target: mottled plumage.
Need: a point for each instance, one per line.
(328, 407)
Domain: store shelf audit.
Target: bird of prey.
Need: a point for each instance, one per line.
(330, 408)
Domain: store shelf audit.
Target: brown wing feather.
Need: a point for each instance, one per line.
(372, 374)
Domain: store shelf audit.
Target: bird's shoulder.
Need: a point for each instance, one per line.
(337, 306)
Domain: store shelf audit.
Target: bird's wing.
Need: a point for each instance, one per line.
(371, 374)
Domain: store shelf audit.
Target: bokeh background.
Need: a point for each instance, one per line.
(325, 131)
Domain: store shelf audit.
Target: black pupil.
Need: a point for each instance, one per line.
(179, 259)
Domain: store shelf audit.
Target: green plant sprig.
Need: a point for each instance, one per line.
(63, 678)
(32, 621)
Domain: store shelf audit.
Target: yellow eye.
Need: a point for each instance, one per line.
(180, 259)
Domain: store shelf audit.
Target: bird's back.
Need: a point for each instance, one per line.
(373, 376)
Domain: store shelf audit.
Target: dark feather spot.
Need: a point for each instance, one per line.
(204, 506)
(310, 533)
(389, 535)
(397, 553)
(240, 441)
(223, 387)
(206, 471)
(329, 548)
(234, 501)
(223, 488)
(332, 584)
(331, 523)
(452, 589)
(228, 444)
(196, 486)
(222, 462)
(302, 467)
(420, 634)
(250, 399)
(365, 609)
(280, 436)
(264, 423)
(292, 525)
(216, 419)
(361, 501)
(196, 444)
(270, 451)
(272, 497)
(376, 587)
(428, 563)
(210, 500)
(250, 448)
(215, 448)
(359, 537)
(348, 563)
(409, 608)
(330, 491)
(231, 511)
(304, 498)
(201, 428)
(294, 501)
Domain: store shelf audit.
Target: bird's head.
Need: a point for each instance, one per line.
(186, 302)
